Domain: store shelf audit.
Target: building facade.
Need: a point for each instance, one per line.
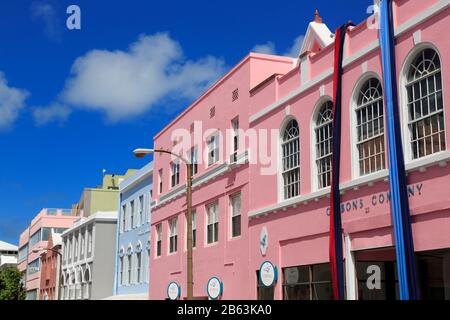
(8, 254)
(51, 268)
(266, 199)
(34, 240)
(131, 280)
(88, 257)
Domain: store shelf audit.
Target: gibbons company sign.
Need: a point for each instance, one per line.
(374, 200)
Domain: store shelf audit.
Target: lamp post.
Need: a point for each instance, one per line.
(140, 153)
(60, 266)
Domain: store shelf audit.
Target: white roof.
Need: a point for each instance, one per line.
(316, 32)
(9, 260)
(5, 246)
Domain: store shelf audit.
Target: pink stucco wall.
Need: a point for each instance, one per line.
(298, 232)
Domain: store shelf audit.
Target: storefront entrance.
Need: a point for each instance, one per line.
(376, 271)
(433, 269)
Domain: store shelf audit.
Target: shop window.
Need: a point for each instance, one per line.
(312, 282)
(434, 274)
(388, 288)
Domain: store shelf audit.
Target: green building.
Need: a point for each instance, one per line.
(101, 198)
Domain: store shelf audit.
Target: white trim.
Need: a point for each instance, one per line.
(304, 70)
(432, 160)
(204, 178)
(350, 270)
(417, 37)
(413, 22)
(137, 177)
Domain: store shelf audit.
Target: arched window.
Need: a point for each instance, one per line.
(425, 104)
(370, 127)
(324, 143)
(122, 273)
(87, 275)
(130, 269)
(138, 267)
(291, 160)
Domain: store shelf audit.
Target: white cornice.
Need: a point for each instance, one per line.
(440, 159)
(198, 181)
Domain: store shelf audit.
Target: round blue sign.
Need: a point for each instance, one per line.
(214, 288)
(268, 274)
(173, 291)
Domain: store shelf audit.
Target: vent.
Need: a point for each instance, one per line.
(212, 112)
(235, 95)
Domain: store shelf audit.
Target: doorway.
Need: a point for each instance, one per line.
(376, 271)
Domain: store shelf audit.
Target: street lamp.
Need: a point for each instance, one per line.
(60, 266)
(140, 153)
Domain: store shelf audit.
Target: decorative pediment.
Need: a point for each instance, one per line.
(317, 37)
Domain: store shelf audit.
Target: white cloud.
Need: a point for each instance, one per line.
(294, 50)
(54, 113)
(43, 10)
(124, 84)
(12, 100)
(267, 48)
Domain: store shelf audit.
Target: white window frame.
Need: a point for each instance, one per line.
(234, 214)
(124, 218)
(90, 235)
(353, 120)
(158, 238)
(175, 174)
(365, 106)
(406, 134)
(213, 145)
(132, 221)
(194, 159)
(122, 266)
(130, 269)
(214, 222)
(173, 234)
(234, 139)
(314, 161)
(141, 210)
(282, 195)
(139, 267)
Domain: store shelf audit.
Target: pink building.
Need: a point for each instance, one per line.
(34, 240)
(267, 198)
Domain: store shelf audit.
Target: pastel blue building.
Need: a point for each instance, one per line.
(131, 280)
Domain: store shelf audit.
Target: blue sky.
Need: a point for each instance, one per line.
(73, 102)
